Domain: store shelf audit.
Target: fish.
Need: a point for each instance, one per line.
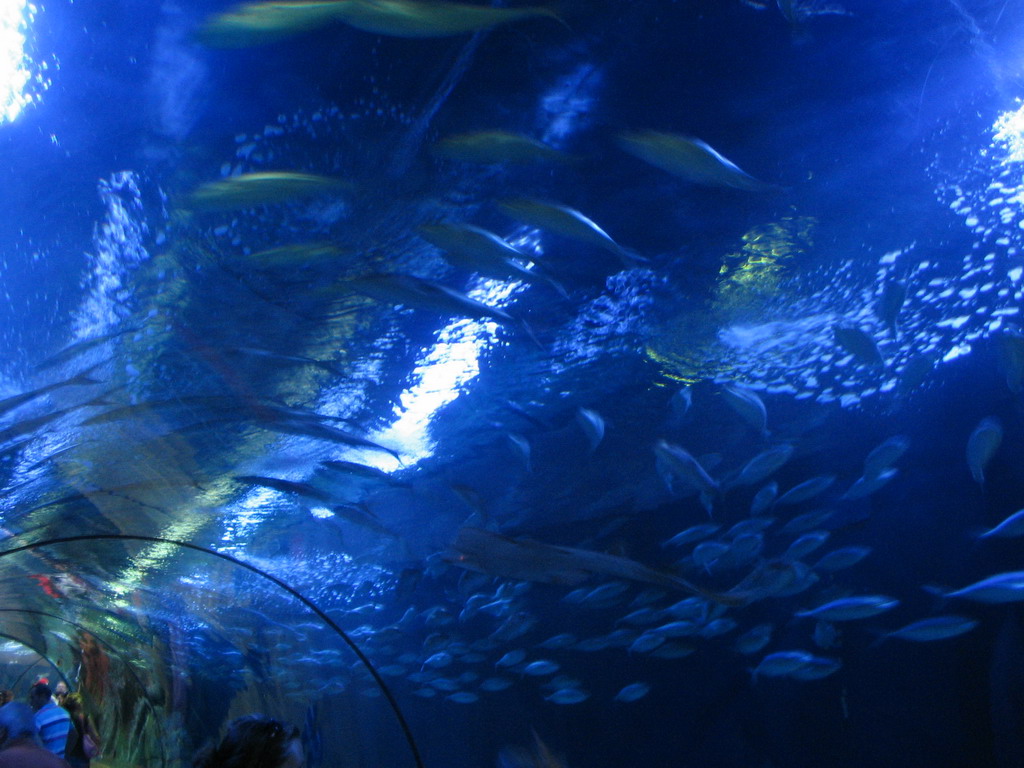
(308, 428)
(690, 159)
(764, 464)
(362, 471)
(754, 639)
(1010, 350)
(894, 294)
(859, 344)
(541, 668)
(260, 23)
(592, 425)
(764, 499)
(567, 696)
(490, 553)
(851, 608)
(463, 697)
(478, 250)
(692, 534)
(423, 294)
(275, 357)
(839, 559)
(816, 668)
(564, 221)
(432, 18)
(805, 545)
(884, 455)
(782, 663)
(359, 514)
(1010, 527)
(825, 635)
(1002, 588)
(286, 486)
(982, 446)
(632, 692)
(296, 255)
(865, 486)
(520, 446)
(682, 465)
(8, 404)
(77, 348)
(496, 148)
(748, 405)
(935, 628)
(916, 370)
(806, 490)
(262, 188)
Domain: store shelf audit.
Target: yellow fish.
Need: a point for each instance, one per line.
(564, 221)
(259, 23)
(690, 159)
(431, 18)
(496, 147)
(262, 188)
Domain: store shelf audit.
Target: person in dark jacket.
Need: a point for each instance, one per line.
(82, 738)
(19, 745)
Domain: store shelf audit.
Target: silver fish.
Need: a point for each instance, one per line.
(982, 445)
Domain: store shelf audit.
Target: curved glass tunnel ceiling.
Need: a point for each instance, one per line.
(266, 445)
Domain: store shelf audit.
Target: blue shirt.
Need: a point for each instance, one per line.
(53, 724)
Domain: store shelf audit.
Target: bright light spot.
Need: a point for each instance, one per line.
(1009, 130)
(15, 73)
(440, 377)
(321, 513)
(960, 350)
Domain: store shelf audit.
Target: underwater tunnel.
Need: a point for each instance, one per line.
(519, 385)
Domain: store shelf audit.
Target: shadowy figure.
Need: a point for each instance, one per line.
(255, 741)
(53, 723)
(19, 745)
(83, 740)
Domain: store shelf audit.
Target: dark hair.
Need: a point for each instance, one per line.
(252, 741)
(73, 703)
(40, 690)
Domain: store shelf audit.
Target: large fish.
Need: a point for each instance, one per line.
(263, 188)
(14, 401)
(496, 147)
(564, 221)
(259, 23)
(513, 558)
(431, 18)
(690, 159)
(423, 294)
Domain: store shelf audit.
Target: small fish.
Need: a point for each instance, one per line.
(495, 684)
(839, 559)
(520, 446)
(935, 628)
(754, 639)
(438, 660)
(982, 445)
(806, 490)
(264, 188)
(865, 486)
(764, 499)
(633, 692)
(681, 402)
(748, 404)
(511, 659)
(296, 255)
(826, 635)
(287, 486)
(496, 148)
(8, 404)
(1010, 349)
(753, 525)
(806, 544)
(567, 696)
(463, 697)
(816, 668)
(859, 344)
(1002, 588)
(764, 464)
(646, 643)
(692, 534)
(782, 663)
(807, 521)
(361, 471)
(564, 221)
(708, 552)
(851, 608)
(916, 370)
(563, 640)
(592, 425)
(682, 465)
(894, 294)
(1010, 527)
(690, 159)
(884, 455)
(541, 668)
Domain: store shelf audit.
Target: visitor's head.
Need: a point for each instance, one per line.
(256, 741)
(39, 695)
(73, 703)
(17, 722)
(60, 689)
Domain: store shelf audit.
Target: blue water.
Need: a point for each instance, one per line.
(197, 586)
